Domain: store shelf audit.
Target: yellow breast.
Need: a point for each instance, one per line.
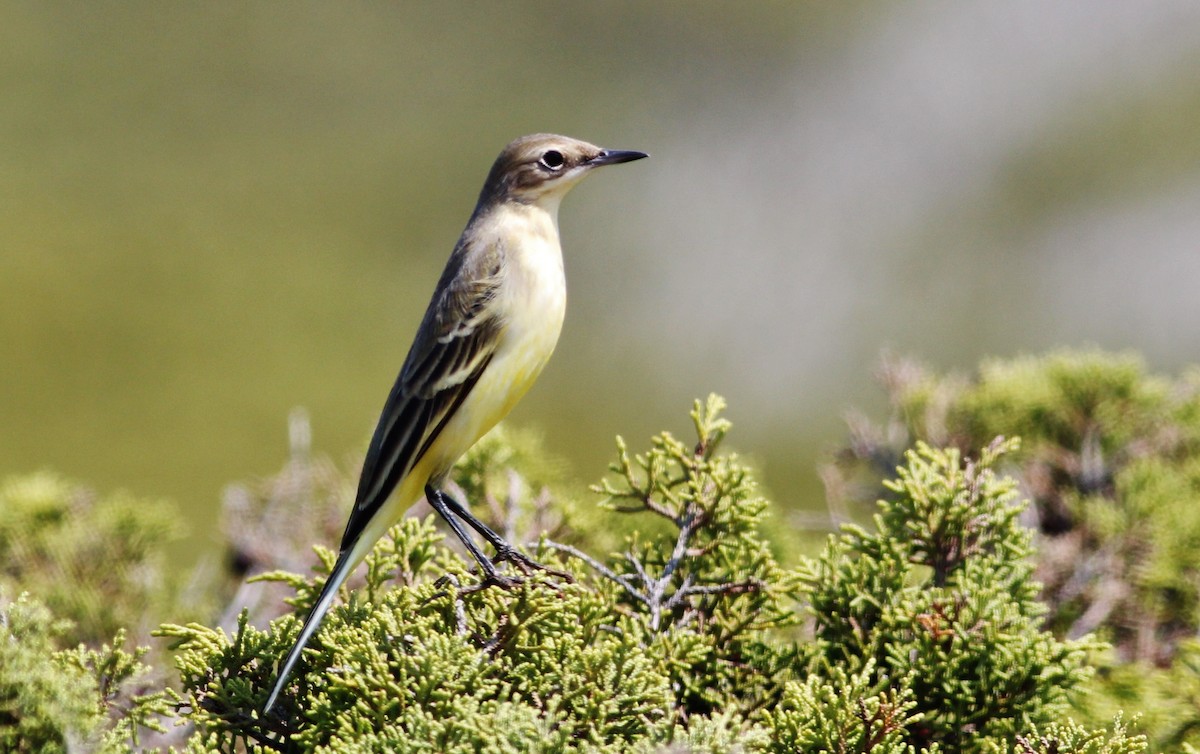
(531, 303)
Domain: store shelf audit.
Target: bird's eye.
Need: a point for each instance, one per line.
(552, 160)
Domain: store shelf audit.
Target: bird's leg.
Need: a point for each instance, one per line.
(445, 505)
(442, 504)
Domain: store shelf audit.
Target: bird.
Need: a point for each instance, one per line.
(490, 327)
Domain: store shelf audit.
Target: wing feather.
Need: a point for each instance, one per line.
(454, 344)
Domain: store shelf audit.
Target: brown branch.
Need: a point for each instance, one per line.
(597, 566)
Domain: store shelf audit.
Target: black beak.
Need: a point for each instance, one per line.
(615, 156)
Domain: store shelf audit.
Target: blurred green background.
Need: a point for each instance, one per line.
(212, 213)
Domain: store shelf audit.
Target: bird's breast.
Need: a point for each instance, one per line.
(530, 303)
(535, 297)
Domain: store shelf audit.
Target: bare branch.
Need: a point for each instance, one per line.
(597, 566)
(738, 587)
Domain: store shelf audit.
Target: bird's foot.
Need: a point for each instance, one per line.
(506, 553)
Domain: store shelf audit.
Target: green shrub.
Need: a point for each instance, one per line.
(924, 635)
(1110, 458)
(683, 624)
(96, 562)
(55, 700)
(939, 605)
(680, 630)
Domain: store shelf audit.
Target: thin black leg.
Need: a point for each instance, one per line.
(440, 504)
(452, 510)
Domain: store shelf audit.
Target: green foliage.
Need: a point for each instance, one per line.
(44, 705)
(834, 711)
(1111, 460)
(682, 626)
(679, 631)
(55, 700)
(1061, 737)
(939, 605)
(97, 562)
(926, 632)
(703, 580)
(431, 667)
(1167, 699)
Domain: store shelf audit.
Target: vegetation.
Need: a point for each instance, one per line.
(96, 563)
(954, 616)
(1110, 460)
(59, 700)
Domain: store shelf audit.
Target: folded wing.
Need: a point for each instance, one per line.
(454, 345)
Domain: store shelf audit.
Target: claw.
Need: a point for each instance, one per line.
(527, 565)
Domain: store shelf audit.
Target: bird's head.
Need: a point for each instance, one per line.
(540, 169)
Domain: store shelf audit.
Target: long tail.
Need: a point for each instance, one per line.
(346, 562)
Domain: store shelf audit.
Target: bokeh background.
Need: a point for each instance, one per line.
(211, 213)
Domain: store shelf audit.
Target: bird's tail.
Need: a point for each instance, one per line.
(346, 562)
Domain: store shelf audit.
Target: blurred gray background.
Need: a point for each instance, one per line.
(212, 213)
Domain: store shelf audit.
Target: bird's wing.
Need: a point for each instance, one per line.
(455, 343)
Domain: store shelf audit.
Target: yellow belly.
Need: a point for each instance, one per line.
(528, 340)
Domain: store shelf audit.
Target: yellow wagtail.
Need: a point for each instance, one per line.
(491, 326)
